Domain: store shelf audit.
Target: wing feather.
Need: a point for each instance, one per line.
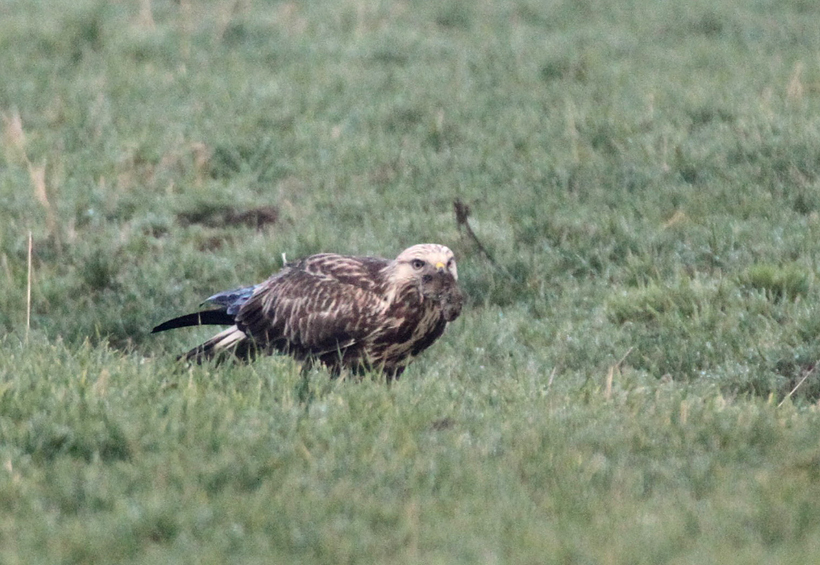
(318, 305)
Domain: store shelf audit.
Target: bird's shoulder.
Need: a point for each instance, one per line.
(366, 273)
(318, 302)
(323, 282)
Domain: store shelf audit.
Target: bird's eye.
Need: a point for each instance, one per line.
(417, 263)
(450, 263)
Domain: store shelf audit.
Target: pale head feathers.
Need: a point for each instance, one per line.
(417, 262)
(433, 254)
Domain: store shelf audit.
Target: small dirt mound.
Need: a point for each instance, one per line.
(224, 216)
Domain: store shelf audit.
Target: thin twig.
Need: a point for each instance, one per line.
(628, 351)
(28, 287)
(792, 391)
(462, 211)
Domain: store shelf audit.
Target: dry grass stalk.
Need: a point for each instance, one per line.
(202, 160)
(4, 262)
(795, 89)
(551, 379)
(792, 391)
(186, 28)
(100, 386)
(28, 286)
(572, 132)
(37, 174)
(14, 141)
(14, 138)
(610, 376)
(146, 17)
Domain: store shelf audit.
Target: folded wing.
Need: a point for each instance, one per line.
(314, 309)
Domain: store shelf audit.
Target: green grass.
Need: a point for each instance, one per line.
(632, 380)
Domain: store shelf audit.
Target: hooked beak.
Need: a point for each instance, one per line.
(440, 267)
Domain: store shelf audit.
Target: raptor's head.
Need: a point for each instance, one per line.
(432, 269)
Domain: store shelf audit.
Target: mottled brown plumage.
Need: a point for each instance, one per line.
(357, 313)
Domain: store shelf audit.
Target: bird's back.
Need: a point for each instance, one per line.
(320, 305)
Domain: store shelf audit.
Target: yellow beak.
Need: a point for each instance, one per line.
(439, 265)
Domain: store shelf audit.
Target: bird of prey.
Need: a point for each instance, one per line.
(354, 313)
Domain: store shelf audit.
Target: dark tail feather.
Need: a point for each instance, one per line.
(205, 318)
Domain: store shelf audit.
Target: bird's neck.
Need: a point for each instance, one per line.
(397, 288)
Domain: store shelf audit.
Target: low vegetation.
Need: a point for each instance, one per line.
(633, 379)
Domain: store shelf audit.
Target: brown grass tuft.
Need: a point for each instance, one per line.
(37, 174)
(795, 89)
(146, 17)
(14, 138)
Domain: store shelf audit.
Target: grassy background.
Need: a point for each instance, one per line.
(645, 174)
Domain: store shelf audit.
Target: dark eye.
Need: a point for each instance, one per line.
(417, 264)
(450, 263)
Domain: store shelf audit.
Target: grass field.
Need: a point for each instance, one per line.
(632, 380)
